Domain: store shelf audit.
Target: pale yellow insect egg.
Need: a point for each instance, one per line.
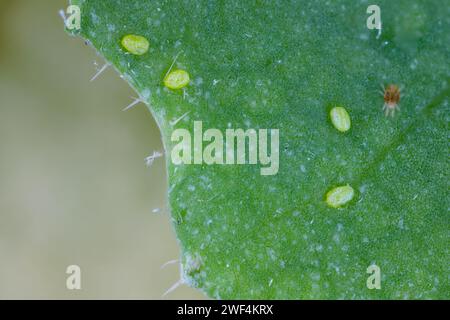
(339, 196)
(177, 79)
(135, 44)
(340, 119)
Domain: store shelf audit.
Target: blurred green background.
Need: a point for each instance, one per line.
(74, 188)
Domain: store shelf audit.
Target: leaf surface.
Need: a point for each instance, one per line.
(283, 65)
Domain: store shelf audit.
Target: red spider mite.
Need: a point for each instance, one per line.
(391, 96)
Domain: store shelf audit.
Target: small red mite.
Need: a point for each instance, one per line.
(391, 96)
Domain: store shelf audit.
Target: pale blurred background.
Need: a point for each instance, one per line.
(74, 188)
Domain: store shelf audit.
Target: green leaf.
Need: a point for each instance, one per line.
(284, 65)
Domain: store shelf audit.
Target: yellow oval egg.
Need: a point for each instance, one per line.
(177, 79)
(134, 44)
(340, 119)
(339, 196)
